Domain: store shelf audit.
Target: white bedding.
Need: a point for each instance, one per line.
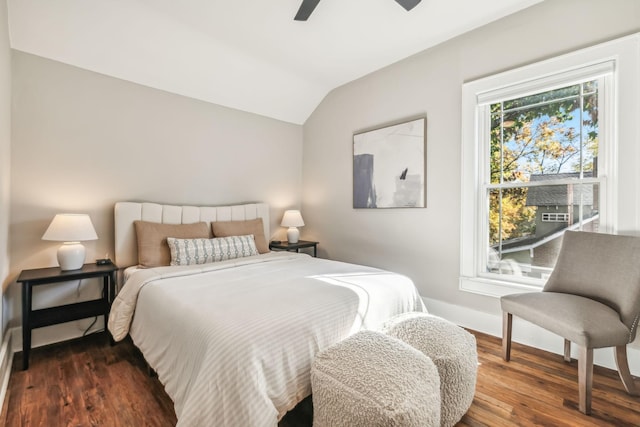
(233, 341)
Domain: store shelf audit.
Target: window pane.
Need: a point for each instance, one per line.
(538, 98)
(554, 132)
(510, 217)
(590, 87)
(526, 225)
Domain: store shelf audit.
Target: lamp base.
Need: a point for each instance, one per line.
(293, 235)
(71, 256)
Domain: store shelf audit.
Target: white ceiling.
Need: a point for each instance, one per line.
(245, 54)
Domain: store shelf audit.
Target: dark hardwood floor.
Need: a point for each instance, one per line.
(87, 382)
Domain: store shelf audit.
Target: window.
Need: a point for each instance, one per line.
(555, 217)
(541, 155)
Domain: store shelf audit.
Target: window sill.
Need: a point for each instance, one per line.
(494, 288)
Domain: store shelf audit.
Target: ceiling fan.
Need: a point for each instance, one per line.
(307, 7)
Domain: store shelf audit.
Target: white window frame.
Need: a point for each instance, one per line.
(618, 64)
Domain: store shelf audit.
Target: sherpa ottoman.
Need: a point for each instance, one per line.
(373, 380)
(453, 351)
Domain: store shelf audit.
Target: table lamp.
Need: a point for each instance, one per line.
(292, 219)
(70, 229)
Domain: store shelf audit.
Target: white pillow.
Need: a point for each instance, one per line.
(203, 251)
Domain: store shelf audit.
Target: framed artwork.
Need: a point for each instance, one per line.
(389, 166)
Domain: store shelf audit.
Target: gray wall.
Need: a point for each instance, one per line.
(424, 243)
(82, 141)
(5, 156)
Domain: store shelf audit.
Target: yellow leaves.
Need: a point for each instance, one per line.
(515, 219)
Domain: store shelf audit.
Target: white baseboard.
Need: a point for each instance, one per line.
(6, 363)
(525, 333)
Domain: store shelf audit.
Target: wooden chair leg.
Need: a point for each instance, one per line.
(507, 320)
(567, 350)
(585, 379)
(623, 370)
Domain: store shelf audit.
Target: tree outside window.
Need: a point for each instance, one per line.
(543, 163)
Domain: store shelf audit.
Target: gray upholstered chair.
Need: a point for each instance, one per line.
(592, 299)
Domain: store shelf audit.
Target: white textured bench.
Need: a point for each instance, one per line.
(373, 380)
(452, 349)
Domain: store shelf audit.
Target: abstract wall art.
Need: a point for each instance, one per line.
(389, 166)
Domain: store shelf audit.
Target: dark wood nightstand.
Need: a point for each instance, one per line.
(32, 319)
(286, 246)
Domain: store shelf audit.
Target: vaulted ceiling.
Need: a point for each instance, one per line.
(244, 54)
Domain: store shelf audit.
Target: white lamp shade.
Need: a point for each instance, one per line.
(292, 219)
(71, 229)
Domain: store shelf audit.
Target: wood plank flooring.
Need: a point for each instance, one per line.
(87, 382)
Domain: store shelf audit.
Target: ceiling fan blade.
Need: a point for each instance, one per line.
(408, 4)
(306, 8)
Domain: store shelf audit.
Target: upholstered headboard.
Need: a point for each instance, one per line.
(126, 249)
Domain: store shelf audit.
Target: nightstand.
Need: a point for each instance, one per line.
(286, 246)
(32, 319)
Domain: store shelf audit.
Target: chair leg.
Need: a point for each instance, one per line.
(585, 379)
(507, 320)
(623, 370)
(567, 350)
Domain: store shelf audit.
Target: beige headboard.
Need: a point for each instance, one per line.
(125, 213)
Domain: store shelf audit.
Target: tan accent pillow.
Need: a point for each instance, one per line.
(242, 228)
(153, 250)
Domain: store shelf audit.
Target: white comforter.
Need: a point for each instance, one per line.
(233, 342)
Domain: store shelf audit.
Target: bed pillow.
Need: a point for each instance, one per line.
(204, 251)
(242, 228)
(153, 250)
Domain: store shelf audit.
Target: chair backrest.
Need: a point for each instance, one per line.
(603, 267)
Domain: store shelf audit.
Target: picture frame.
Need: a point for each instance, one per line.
(389, 166)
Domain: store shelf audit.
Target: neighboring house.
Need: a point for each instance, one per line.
(558, 209)
(559, 205)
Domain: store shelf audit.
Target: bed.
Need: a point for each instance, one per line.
(232, 341)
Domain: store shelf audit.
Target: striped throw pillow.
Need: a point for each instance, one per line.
(203, 251)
